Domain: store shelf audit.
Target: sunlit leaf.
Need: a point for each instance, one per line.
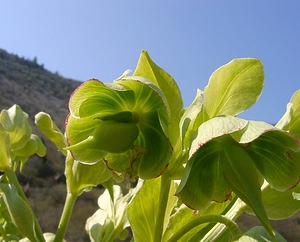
(204, 168)
(291, 119)
(277, 156)
(20, 212)
(187, 128)
(258, 234)
(234, 87)
(148, 69)
(279, 205)
(145, 206)
(244, 179)
(214, 128)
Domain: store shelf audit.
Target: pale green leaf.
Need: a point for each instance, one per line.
(187, 128)
(279, 205)
(216, 127)
(296, 195)
(291, 119)
(20, 212)
(252, 131)
(276, 154)
(148, 69)
(244, 179)
(204, 168)
(145, 206)
(259, 234)
(234, 87)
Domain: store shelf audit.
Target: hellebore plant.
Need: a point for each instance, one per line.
(192, 171)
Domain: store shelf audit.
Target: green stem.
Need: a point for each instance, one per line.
(163, 202)
(212, 218)
(65, 217)
(236, 208)
(12, 178)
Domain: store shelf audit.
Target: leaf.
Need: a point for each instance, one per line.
(20, 212)
(204, 168)
(258, 234)
(214, 128)
(291, 119)
(244, 179)
(187, 121)
(145, 206)
(279, 205)
(276, 154)
(148, 69)
(234, 87)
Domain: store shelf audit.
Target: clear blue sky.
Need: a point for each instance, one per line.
(190, 39)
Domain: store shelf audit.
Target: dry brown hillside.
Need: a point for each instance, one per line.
(34, 89)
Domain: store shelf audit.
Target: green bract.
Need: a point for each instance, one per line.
(16, 134)
(232, 154)
(83, 177)
(124, 123)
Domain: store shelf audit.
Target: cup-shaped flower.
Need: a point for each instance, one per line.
(123, 123)
(231, 154)
(17, 135)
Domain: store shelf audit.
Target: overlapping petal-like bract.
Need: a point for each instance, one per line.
(124, 123)
(17, 139)
(232, 154)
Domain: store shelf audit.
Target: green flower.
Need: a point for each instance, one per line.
(18, 141)
(124, 123)
(231, 154)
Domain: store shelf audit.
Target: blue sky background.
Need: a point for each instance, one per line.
(189, 39)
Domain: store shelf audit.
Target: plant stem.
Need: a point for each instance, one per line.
(12, 178)
(212, 218)
(65, 217)
(165, 185)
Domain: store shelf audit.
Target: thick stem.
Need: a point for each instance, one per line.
(12, 178)
(213, 218)
(163, 202)
(65, 217)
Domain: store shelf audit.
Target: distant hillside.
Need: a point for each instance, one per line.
(34, 89)
(29, 84)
